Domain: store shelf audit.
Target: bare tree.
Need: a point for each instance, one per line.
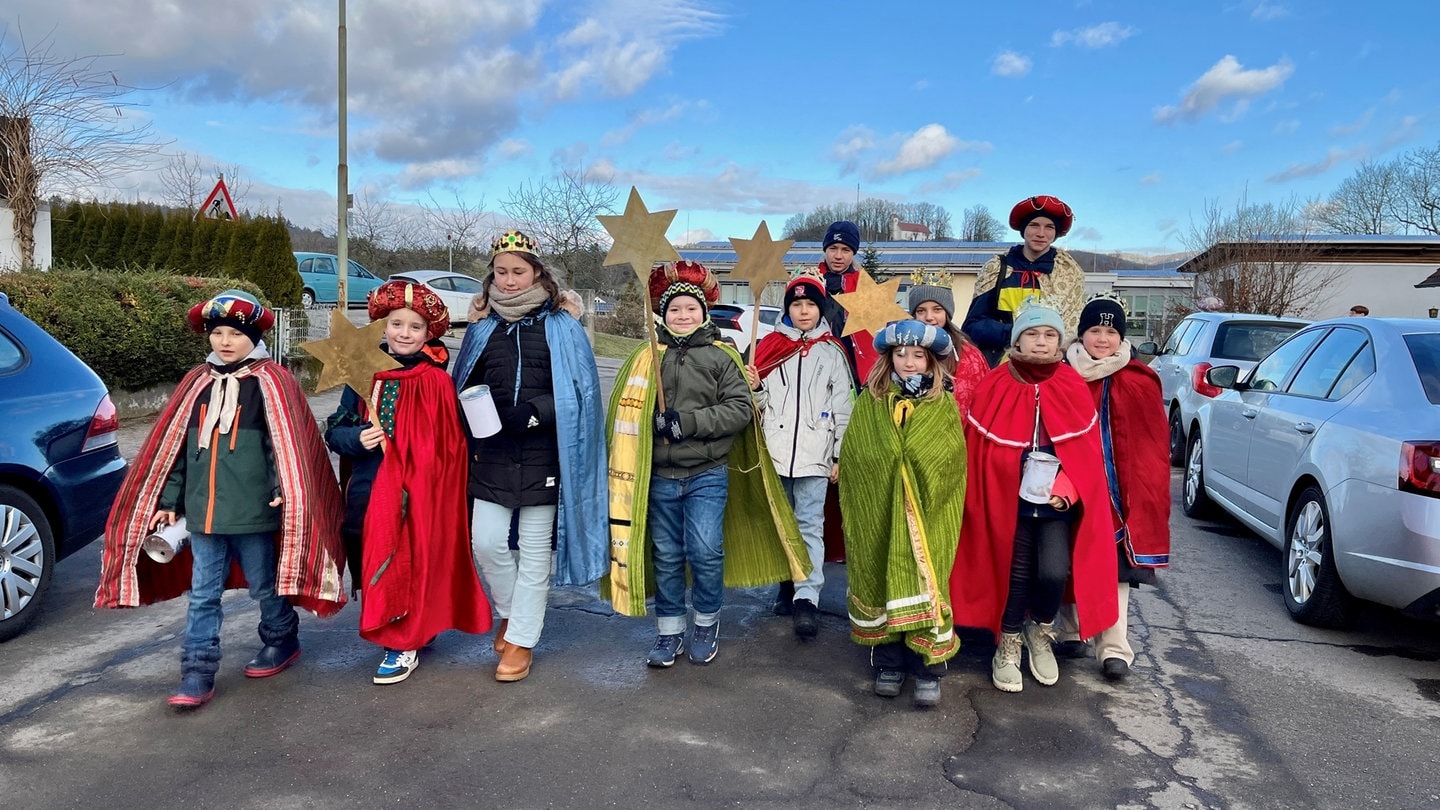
(1364, 203)
(462, 226)
(1418, 204)
(1259, 258)
(185, 179)
(560, 212)
(979, 225)
(378, 232)
(62, 124)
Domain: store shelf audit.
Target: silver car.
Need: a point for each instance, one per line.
(1330, 450)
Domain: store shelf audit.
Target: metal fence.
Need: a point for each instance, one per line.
(294, 327)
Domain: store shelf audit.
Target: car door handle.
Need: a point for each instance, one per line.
(1249, 413)
(1305, 427)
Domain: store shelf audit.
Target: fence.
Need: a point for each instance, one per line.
(294, 327)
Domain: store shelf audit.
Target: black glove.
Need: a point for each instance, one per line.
(519, 418)
(667, 425)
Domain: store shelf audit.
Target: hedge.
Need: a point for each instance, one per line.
(127, 326)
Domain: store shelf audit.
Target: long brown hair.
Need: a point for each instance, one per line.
(878, 383)
(542, 276)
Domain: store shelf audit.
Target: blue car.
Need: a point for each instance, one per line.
(320, 285)
(60, 463)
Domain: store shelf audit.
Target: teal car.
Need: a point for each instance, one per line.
(319, 282)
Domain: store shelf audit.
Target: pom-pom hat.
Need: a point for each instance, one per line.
(233, 308)
(913, 333)
(683, 278)
(393, 295)
(804, 287)
(1043, 205)
(1103, 310)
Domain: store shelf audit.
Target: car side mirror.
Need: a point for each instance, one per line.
(1148, 347)
(1223, 377)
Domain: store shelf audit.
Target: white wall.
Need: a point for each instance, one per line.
(10, 246)
(1387, 289)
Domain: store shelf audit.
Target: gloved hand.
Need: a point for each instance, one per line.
(667, 425)
(519, 418)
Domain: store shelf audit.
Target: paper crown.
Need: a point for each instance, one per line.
(931, 278)
(515, 242)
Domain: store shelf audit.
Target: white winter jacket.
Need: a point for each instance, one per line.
(805, 403)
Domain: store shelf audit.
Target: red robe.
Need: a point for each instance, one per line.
(1140, 439)
(997, 431)
(970, 368)
(419, 576)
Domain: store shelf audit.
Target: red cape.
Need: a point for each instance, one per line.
(863, 343)
(419, 578)
(1140, 440)
(997, 431)
(775, 348)
(970, 368)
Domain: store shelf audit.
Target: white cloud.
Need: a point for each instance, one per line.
(851, 144)
(1407, 130)
(731, 187)
(1224, 81)
(1341, 130)
(949, 182)
(928, 146)
(696, 236)
(625, 43)
(1011, 65)
(1096, 36)
(1152, 179)
(1332, 158)
(677, 151)
(1233, 147)
(511, 148)
(1266, 11)
(1286, 127)
(648, 118)
(1085, 234)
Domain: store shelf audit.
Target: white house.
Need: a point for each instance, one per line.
(907, 231)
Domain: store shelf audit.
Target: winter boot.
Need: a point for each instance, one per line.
(1038, 638)
(1005, 666)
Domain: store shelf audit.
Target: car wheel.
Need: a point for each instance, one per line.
(1193, 499)
(1177, 439)
(27, 558)
(1312, 589)
(307, 299)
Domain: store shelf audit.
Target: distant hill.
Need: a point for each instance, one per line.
(1103, 262)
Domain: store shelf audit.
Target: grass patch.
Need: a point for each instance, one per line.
(614, 346)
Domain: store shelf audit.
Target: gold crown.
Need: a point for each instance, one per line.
(515, 242)
(930, 278)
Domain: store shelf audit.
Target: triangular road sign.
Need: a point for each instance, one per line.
(218, 205)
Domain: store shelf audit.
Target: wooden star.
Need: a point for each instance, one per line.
(760, 260)
(871, 306)
(639, 237)
(351, 355)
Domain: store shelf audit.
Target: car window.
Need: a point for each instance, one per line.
(307, 266)
(1271, 373)
(441, 284)
(323, 265)
(1250, 341)
(1174, 339)
(1359, 370)
(11, 356)
(1425, 353)
(1188, 339)
(1322, 369)
(356, 271)
(768, 316)
(467, 285)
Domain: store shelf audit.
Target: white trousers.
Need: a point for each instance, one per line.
(517, 582)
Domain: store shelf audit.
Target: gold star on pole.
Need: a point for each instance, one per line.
(871, 306)
(760, 260)
(639, 237)
(351, 355)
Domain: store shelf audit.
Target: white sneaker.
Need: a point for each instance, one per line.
(1005, 666)
(396, 666)
(1038, 641)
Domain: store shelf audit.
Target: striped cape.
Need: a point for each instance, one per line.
(902, 495)
(311, 556)
(762, 541)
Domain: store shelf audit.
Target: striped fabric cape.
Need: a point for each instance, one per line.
(762, 541)
(311, 556)
(902, 495)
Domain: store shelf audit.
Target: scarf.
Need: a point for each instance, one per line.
(225, 392)
(1092, 369)
(913, 386)
(775, 348)
(514, 306)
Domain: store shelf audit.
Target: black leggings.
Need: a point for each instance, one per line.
(1039, 570)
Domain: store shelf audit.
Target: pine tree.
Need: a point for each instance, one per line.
(240, 248)
(67, 226)
(165, 243)
(147, 235)
(89, 242)
(272, 264)
(206, 252)
(106, 252)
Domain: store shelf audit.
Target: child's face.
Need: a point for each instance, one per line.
(405, 331)
(512, 273)
(1039, 235)
(230, 344)
(804, 314)
(910, 360)
(930, 312)
(839, 257)
(1039, 340)
(1101, 341)
(683, 314)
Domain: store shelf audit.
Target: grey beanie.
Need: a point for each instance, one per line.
(920, 293)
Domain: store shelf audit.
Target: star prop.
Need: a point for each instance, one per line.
(871, 306)
(760, 260)
(351, 355)
(639, 237)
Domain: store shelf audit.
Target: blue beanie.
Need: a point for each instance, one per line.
(913, 333)
(1032, 314)
(846, 233)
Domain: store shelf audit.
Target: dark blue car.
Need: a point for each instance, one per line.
(60, 462)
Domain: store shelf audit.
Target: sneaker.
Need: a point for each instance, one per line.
(1073, 648)
(396, 666)
(888, 682)
(1005, 666)
(704, 644)
(667, 648)
(195, 691)
(927, 691)
(1038, 638)
(1115, 669)
(783, 598)
(273, 659)
(807, 619)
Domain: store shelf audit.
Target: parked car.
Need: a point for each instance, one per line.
(455, 289)
(734, 321)
(1199, 342)
(1329, 448)
(60, 463)
(320, 285)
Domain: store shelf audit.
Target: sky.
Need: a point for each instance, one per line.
(1137, 114)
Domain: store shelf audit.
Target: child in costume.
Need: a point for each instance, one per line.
(673, 500)
(547, 463)
(902, 494)
(802, 382)
(936, 306)
(235, 453)
(1135, 440)
(406, 495)
(1025, 538)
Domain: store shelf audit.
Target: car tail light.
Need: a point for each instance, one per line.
(1420, 468)
(104, 427)
(1197, 381)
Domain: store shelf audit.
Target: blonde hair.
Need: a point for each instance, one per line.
(878, 383)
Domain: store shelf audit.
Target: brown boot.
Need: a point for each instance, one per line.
(499, 643)
(514, 664)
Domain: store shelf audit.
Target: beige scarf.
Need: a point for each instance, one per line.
(516, 306)
(1091, 369)
(225, 396)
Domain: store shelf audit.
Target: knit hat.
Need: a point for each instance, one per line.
(393, 295)
(232, 308)
(846, 233)
(913, 333)
(920, 293)
(804, 287)
(683, 278)
(1103, 310)
(1042, 206)
(514, 242)
(1032, 314)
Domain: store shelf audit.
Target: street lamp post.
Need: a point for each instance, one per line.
(450, 249)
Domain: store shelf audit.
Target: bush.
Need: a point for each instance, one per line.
(127, 326)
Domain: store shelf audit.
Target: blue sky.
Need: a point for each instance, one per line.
(1134, 113)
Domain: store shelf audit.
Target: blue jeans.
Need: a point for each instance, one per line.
(256, 552)
(807, 498)
(685, 517)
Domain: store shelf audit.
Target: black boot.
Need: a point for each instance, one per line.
(273, 659)
(783, 598)
(807, 619)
